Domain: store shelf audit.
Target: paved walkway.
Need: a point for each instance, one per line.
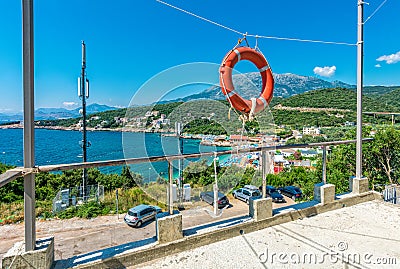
(362, 236)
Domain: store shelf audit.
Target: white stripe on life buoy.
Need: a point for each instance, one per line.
(231, 93)
(263, 100)
(238, 54)
(263, 68)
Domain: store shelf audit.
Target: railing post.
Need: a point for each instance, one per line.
(215, 185)
(324, 164)
(170, 198)
(264, 172)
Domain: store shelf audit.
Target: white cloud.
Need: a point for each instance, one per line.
(69, 104)
(326, 71)
(390, 59)
(378, 66)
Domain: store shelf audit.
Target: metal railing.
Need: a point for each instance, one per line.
(391, 194)
(170, 158)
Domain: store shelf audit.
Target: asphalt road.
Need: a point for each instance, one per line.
(78, 236)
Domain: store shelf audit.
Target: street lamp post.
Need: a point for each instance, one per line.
(149, 173)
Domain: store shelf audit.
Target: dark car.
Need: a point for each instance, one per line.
(274, 194)
(137, 215)
(208, 197)
(291, 191)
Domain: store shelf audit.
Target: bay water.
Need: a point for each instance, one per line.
(63, 146)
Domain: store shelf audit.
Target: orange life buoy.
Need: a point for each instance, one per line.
(255, 104)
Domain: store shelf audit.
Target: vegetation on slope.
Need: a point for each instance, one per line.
(207, 117)
(392, 99)
(336, 98)
(381, 164)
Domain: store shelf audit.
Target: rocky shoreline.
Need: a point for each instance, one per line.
(119, 129)
(164, 132)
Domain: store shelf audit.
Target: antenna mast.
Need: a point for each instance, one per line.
(83, 93)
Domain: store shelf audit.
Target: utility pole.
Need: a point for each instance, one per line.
(360, 52)
(83, 93)
(29, 125)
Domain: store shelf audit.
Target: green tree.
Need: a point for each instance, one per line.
(383, 156)
(252, 127)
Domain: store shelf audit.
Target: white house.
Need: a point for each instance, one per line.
(311, 130)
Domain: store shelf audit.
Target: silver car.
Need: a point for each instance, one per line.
(137, 215)
(246, 193)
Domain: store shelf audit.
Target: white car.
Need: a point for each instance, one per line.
(246, 193)
(137, 215)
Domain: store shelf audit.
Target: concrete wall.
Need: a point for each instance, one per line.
(194, 241)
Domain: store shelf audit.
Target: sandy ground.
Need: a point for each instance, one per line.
(362, 236)
(78, 236)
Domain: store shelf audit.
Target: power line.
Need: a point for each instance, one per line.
(201, 18)
(252, 35)
(376, 10)
(304, 40)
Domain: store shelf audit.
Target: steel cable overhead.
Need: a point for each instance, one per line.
(259, 36)
(375, 11)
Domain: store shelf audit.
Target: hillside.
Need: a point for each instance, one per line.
(328, 107)
(340, 99)
(379, 90)
(391, 98)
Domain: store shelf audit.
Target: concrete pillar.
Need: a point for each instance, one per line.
(260, 209)
(169, 228)
(324, 193)
(358, 185)
(41, 257)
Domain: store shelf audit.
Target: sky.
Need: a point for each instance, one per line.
(129, 43)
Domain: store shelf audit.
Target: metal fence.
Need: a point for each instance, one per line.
(391, 194)
(76, 196)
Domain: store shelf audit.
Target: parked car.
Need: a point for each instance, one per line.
(246, 193)
(291, 191)
(208, 197)
(274, 194)
(137, 215)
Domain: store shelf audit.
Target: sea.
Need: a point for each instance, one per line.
(64, 146)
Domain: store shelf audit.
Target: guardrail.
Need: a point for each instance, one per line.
(12, 174)
(7, 177)
(169, 158)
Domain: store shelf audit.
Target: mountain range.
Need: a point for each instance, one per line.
(56, 113)
(248, 85)
(286, 85)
